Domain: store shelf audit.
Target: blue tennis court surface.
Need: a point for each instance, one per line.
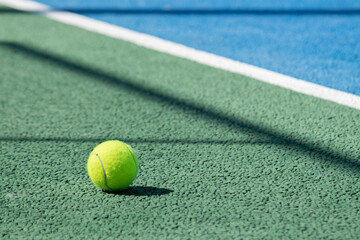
(317, 41)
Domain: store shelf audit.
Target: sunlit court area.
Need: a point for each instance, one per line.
(180, 119)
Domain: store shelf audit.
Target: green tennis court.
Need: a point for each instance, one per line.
(222, 156)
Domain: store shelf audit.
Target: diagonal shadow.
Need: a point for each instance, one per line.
(311, 148)
(136, 140)
(198, 11)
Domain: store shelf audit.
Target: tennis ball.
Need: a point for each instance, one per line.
(112, 165)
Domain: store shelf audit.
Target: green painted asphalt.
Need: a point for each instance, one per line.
(221, 156)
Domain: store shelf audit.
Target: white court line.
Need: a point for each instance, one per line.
(182, 51)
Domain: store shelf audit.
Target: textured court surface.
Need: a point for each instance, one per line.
(221, 155)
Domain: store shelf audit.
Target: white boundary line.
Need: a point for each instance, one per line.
(182, 51)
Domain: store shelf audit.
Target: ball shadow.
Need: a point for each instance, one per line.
(142, 191)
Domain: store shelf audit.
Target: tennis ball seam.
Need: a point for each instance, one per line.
(132, 156)
(103, 167)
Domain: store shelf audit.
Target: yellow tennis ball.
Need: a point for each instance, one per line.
(113, 165)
